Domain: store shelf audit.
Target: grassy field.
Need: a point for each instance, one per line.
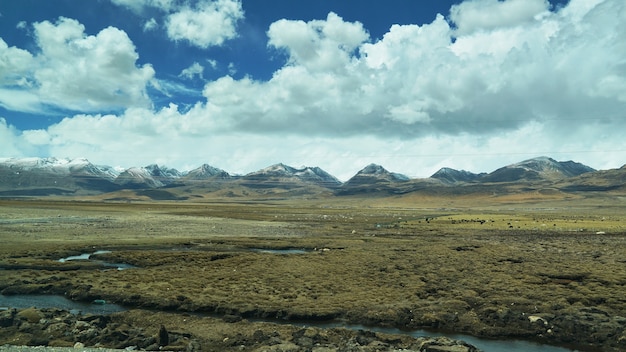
(553, 270)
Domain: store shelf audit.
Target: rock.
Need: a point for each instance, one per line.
(163, 338)
(444, 344)
(6, 318)
(31, 315)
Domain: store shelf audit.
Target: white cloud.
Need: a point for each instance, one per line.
(414, 101)
(73, 70)
(150, 25)
(84, 72)
(484, 15)
(12, 142)
(15, 63)
(192, 71)
(318, 45)
(139, 5)
(209, 23)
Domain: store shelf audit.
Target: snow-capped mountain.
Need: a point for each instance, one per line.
(206, 172)
(65, 166)
(151, 176)
(53, 176)
(282, 173)
(451, 176)
(56, 175)
(163, 173)
(541, 168)
(372, 179)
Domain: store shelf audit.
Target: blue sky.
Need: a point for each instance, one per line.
(411, 85)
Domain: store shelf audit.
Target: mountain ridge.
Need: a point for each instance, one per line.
(53, 176)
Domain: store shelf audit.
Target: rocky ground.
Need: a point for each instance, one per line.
(552, 274)
(137, 330)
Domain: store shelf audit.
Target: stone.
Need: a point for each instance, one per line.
(163, 338)
(31, 315)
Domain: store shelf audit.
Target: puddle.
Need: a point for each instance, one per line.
(87, 256)
(100, 307)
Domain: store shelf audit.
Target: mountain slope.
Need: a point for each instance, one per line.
(597, 181)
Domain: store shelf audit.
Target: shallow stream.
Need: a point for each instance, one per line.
(100, 307)
(87, 256)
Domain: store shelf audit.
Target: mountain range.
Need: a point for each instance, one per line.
(51, 176)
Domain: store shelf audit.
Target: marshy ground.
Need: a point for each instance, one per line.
(552, 271)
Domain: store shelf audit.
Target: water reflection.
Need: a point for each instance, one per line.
(87, 256)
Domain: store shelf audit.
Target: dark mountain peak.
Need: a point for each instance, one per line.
(448, 175)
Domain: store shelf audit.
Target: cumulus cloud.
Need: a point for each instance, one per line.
(417, 80)
(72, 70)
(318, 45)
(208, 23)
(440, 94)
(476, 15)
(15, 63)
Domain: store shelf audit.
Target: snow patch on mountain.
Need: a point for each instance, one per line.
(308, 174)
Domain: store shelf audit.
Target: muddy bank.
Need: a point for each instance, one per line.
(143, 330)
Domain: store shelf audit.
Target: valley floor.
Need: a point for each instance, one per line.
(553, 272)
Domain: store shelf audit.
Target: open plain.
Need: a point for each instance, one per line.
(221, 274)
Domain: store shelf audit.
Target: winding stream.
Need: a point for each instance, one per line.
(487, 345)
